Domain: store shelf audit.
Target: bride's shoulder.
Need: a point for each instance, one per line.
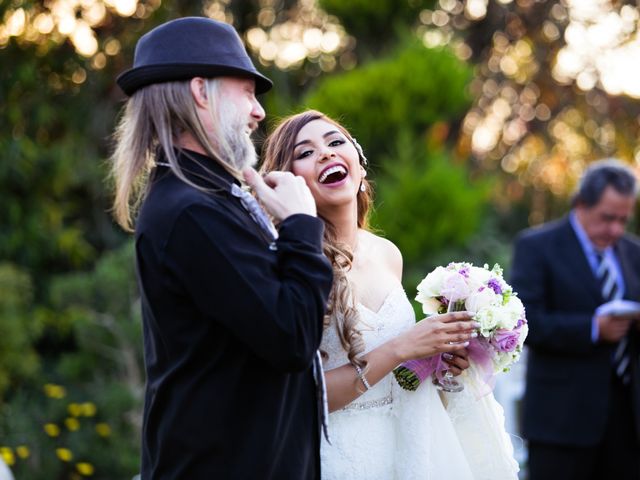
(387, 251)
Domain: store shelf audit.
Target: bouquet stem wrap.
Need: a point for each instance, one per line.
(412, 373)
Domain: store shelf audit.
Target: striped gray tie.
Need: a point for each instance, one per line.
(608, 279)
(610, 290)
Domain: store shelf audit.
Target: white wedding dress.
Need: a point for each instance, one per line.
(392, 434)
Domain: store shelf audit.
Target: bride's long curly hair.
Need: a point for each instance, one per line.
(278, 151)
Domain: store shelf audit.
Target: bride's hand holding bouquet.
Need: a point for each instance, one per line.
(436, 334)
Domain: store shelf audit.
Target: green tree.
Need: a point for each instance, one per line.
(376, 24)
(425, 202)
(20, 326)
(408, 91)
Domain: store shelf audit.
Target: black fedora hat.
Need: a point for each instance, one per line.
(189, 47)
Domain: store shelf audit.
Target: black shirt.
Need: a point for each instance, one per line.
(231, 327)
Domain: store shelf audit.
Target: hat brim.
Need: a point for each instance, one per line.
(135, 78)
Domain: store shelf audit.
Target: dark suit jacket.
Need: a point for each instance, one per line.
(568, 376)
(230, 330)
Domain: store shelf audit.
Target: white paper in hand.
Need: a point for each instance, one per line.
(619, 307)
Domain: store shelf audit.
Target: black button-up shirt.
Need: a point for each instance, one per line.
(230, 331)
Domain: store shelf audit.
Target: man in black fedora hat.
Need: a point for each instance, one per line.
(232, 308)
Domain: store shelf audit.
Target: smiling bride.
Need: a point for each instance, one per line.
(377, 430)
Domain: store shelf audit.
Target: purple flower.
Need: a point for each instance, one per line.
(464, 271)
(521, 321)
(505, 340)
(495, 286)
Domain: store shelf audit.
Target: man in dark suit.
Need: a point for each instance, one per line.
(581, 412)
(232, 309)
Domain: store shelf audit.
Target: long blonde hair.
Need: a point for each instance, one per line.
(278, 151)
(154, 118)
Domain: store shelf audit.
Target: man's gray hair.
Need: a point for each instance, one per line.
(598, 176)
(154, 119)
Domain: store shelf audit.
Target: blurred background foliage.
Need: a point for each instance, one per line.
(477, 116)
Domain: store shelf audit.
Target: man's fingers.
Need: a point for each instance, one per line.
(255, 181)
(273, 179)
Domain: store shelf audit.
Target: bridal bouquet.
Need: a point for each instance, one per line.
(493, 304)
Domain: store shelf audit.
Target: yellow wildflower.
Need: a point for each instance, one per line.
(88, 409)
(23, 451)
(72, 424)
(64, 454)
(52, 429)
(74, 409)
(7, 455)
(54, 391)
(85, 468)
(103, 429)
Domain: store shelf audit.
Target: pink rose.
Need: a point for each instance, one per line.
(455, 287)
(505, 340)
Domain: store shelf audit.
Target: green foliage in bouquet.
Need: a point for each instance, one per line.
(407, 92)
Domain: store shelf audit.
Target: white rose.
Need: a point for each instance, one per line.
(430, 305)
(478, 277)
(511, 313)
(482, 299)
(503, 360)
(516, 305)
(506, 318)
(431, 285)
(487, 320)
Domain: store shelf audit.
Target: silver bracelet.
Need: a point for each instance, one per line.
(361, 376)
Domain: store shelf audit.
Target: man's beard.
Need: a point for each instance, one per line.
(233, 130)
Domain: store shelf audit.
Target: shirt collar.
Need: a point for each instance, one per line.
(199, 168)
(586, 244)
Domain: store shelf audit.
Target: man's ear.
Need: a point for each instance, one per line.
(198, 89)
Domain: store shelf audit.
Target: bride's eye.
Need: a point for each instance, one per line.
(336, 143)
(302, 154)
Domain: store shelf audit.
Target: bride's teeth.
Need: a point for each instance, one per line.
(329, 171)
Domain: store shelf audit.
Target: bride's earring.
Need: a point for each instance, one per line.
(363, 187)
